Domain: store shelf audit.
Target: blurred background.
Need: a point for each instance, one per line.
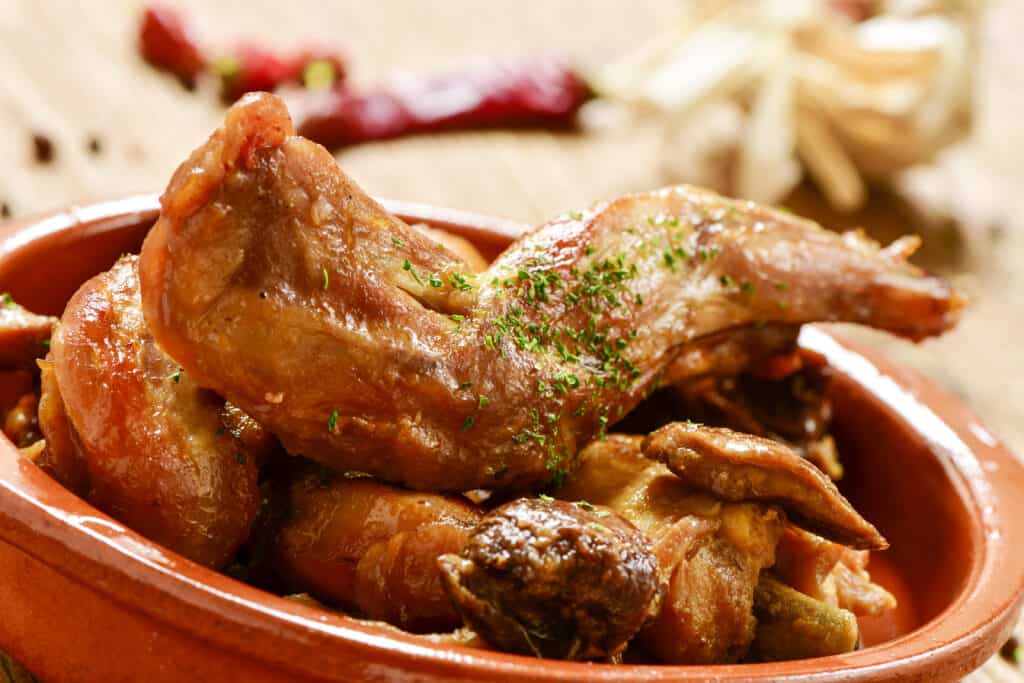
(899, 116)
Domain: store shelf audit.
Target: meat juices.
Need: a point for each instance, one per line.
(274, 280)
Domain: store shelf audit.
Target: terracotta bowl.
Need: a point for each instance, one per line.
(82, 598)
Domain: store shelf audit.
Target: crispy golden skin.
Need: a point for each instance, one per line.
(277, 282)
(155, 454)
(736, 467)
(372, 547)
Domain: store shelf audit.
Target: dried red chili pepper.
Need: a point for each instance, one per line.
(166, 42)
(250, 67)
(858, 10)
(511, 92)
(317, 67)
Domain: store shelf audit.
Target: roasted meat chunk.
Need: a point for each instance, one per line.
(736, 467)
(729, 353)
(371, 547)
(140, 438)
(830, 572)
(711, 552)
(776, 391)
(554, 579)
(275, 281)
(23, 334)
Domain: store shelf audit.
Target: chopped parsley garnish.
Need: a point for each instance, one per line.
(332, 421)
(726, 281)
(558, 479)
(670, 260)
(176, 377)
(468, 422)
(585, 505)
(457, 318)
(412, 271)
(397, 242)
(240, 457)
(747, 287)
(500, 474)
(460, 281)
(46, 344)
(465, 385)
(781, 286)
(7, 299)
(482, 402)
(546, 498)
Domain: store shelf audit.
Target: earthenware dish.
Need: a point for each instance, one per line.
(82, 598)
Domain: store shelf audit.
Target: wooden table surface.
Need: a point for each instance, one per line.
(69, 70)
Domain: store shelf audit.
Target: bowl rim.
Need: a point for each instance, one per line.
(44, 520)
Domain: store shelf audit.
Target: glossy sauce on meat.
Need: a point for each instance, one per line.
(154, 452)
(372, 547)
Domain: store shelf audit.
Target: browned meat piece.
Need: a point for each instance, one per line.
(783, 395)
(791, 625)
(277, 282)
(830, 572)
(737, 466)
(554, 579)
(729, 353)
(854, 589)
(62, 457)
(709, 552)
(23, 334)
(371, 547)
(457, 245)
(257, 441)
(21, 425)
(156, 456)
(707, 614)
(804, 561)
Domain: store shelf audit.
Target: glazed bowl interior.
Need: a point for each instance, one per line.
(915, 465)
